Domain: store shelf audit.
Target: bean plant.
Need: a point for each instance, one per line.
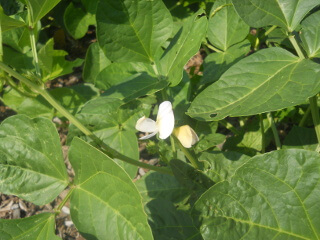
(236, 140)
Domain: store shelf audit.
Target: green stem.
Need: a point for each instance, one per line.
(263, 137)
(13, 85)
(270, 30)
(195, 163)
(230, 127)
(212, 48)
(315, 116)
(33, 43)
(296, 46)
(108, 150)
(63, 202)
(274, 131)
(305, 116)
(219, 8)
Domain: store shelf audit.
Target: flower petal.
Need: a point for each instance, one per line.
(186, 135)
(146, 125)
(165, 119)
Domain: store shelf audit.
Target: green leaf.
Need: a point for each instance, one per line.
(215, 64)
(167, 222)
(8, 23)
(301, 138)
(283, 13)
(53, 63)
(310, 34)
(105, 203)
(132, 30)
(183, 46)
(95, 61)
(140, 85)
(272, 196)
(31, 161)
(114, 124)
(18, 60)
(39, 8)
(269, 80)
(117, 73)
(77, 21)
(155, 185)
(221, 166)
(41, 226)
(225, 27)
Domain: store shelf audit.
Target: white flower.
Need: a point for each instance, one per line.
(186, 135)
(164, 124)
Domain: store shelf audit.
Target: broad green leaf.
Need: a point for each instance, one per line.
(114, 124)
(168, 222)
(269, 80)
(249, 141)
(95, 61)
(8, 23)
(183, 46)
(155, 185)
(310, 35)
(116, 73)
(18, 60)
(220, 166)
(105, 203)
(140, 85)
(132, 30)
(17, 38)
(301, 138)
(53, 63)
(283, 13)
(38, 227)
(225, 27)
(31, 161)
(272, 196)
(77, 21)
(39, 8)
(190, 177)
(215, 64)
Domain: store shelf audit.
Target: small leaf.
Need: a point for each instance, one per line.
(132, 30)
(310, 35)
(283, 13)
(105, 204)
(77, 21)
(183, 46)
(8, 23)
(272, 196)
(41, 226)
(95, 61)
(222, 165)
(155, 185)
(31, 161)
(269, 80)
(215, 64)
(225, 27)
(301, 138)
(39, 8)
(53, 63)
(168, 222)
(140, 85)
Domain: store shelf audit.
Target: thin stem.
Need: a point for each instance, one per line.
(296, 46)
(263, 137)
(315, 116)
(13, 85)
(63, 202)
(219, 8)
(305, 116)
(274, 131)
(230, 127)
(212, 47)
(195, 163)
(108, 150)
(173, 147)
(270, 30)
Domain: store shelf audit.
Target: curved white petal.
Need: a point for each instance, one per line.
(146, 125)
(148, 136)
(165, 119)
(186, 135)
